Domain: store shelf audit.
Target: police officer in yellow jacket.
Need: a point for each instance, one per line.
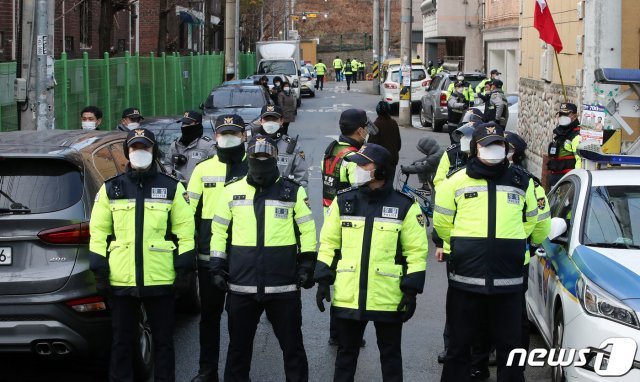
(205, 191)
(373, 249)
(563, 156)
(271, 255)
(485, 213)
(141, 250)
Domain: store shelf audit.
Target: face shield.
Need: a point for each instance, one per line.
(261, 148)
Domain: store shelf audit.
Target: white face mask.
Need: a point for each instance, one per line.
(362, 177)
(460, 78)
(133, 125)
(140, 159)
(564, 120)
(493, 154)
(459, 90)
(286, 88)
(270, 127)
(228, 140)
(277, 83)
(465, 144)
(88, 125)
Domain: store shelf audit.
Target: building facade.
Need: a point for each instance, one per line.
(451, 31)
(595, 34)
(501, 40)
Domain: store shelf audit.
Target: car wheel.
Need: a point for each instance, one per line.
(423, 119)
(143, 349)
(190, 302)
(313, 94)
(299, 102)
(437, 127)
(557, 372)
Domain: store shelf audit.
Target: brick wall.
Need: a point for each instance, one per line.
(6, 29)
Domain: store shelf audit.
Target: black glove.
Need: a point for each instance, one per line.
(305, 280)
(323, 293)
(403, 169)
(181, 283)
(103, 287)
(220, 282)
(408, 301)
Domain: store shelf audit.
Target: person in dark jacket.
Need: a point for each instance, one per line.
(277, 88)
(389, 134)
(426, 166)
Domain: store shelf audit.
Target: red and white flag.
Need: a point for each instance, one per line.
(543, 22)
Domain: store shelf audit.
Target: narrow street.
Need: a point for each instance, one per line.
(316, 124)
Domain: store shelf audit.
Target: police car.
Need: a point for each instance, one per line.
(584, 283)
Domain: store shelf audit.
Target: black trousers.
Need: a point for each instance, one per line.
(354, 77)
(465, 312)
(320, 81)
(482, 345)
(211, 308)
(338, 74)
(125, 313)
(285, 315)
(350, 333)
(348, 78)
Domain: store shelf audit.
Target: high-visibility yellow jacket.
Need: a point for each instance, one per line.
(264, 256)
(468, 92)
(142, 231)
(373, 248)
(205, 190)
(337, 63)
(320, 68)
(486, 223)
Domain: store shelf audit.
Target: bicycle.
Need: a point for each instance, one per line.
(423, 197)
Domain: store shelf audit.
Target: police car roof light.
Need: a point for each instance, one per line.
(614, 159)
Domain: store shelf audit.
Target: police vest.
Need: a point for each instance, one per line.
(332, 182)
(347, 68)
(562, 158)
(266, 226)
(382, 249)
(142, 230)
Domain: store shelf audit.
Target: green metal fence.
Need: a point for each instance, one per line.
(164, 85)
(8, 108)
(246, 64)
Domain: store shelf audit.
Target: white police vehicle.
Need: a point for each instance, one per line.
(584, 283)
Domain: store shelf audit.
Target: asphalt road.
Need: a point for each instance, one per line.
(316, 124)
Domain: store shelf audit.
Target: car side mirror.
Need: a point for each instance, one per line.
(558, 229)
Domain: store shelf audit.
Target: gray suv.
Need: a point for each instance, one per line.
(48, 301)
(434, 104)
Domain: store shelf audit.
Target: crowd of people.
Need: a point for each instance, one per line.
(241, 218)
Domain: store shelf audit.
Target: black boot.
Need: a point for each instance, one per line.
(206, 375)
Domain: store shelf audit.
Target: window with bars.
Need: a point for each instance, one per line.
(85, 24)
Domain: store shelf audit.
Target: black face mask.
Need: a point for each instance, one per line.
(190, 133)
(262, 173)
(231, 154)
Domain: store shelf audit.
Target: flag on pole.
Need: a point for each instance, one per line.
(543, 22)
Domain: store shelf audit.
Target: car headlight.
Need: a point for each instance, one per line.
(596, 302)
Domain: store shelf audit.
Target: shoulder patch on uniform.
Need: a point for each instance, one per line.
(346, 190)
(301, 153)
(306, 201)
(452, 147)
(454, 171)
(420, 219)
(542, 203)
(232, 180)
(185, 195)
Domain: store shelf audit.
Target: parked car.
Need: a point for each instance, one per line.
(248, 81)
(512, 122)
(48, 301)
(433, 110)
(390, 87)
(245, 100)
(584, 283)
(307, 82)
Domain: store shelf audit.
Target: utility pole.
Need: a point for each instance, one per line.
(229, 38)
(376, 43)
(236, 47)
(385, 34)
(405, 64)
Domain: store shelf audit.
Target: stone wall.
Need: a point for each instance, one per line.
(538, 105)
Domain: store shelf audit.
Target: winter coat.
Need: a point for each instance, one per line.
(427, 164)
(288, 105)
(388, 137)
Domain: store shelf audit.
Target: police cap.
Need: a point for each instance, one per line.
(271, 110)
(229, 122)
(144, 136)
(488, 133)
(191, 118)
(132, 112)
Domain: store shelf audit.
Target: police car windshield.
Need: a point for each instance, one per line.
(236, 97)
(613, 217)
(278, 67)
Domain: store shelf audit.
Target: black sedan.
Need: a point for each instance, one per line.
(245, 100)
